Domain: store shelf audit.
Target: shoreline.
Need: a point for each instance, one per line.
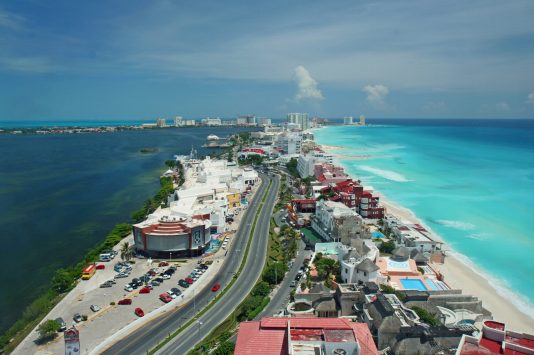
(460, 272)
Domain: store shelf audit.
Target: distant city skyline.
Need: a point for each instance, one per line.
(131, 60)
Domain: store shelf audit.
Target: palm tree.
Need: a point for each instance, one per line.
(126, 253)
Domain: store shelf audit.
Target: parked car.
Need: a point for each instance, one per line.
(165, 297)
(139, 312)
(183, 283)
(94, 308)
(121, 275)
(127, 288)
(62, 324)
(176, 291)
(125, 301)
(189, 280)
(106, 284)
(144, 278)
(293, 284)
(77, 318)
(215, 288)
(159, 279)
(170, 293)
(173, 268)
(100, 267)
(154, 283)
(166, 276)
(145, 290)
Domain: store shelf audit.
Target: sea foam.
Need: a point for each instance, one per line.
(464, 226)
(386, 174)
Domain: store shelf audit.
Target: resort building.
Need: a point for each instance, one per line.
(290, 143)
(300, 119)
(348, 120)
(327, 173)
(209, 121)
(178, 121)
(334, 221)
(357, 197)
(358, 265)
(496, 339)
(304, 335)
(306, 163)
(415, 236)
(160, 122)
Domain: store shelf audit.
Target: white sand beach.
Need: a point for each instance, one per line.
(461, 274)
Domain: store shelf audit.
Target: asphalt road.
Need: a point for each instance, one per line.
(281, 297)
(186, 340)
(147, 337)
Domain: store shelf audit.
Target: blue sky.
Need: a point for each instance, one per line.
(145, 59)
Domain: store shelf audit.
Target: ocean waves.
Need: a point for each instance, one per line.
(386, 174)
(464, 226)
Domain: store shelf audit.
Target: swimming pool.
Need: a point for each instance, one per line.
(398, 265)
(413, 284)
(377, 234)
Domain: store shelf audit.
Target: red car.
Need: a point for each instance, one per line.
(125, 301)
(215, 288)
(100, 267)
(145, 290)
(189, 280)
(165, 297)
(139, 312)
(163, 263)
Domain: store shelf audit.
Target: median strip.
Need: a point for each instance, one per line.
(227, 288)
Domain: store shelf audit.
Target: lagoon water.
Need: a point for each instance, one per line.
(61, 194)
(470, 181)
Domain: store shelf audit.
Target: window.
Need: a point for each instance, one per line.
(346, 271)
(365, 273)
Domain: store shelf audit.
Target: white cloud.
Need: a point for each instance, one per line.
(307, 86)
(530, 98)
(376, 95)
(502, 106)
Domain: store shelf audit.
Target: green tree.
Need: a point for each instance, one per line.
(48, 329)
(171, 164)
(326, 267)
(426, 316)
(274, 273)
(292, 167)
(261, 289)
(387, 247)
(126, 252)
(62, 281)
(225, 348)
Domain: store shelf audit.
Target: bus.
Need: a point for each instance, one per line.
(88, 272)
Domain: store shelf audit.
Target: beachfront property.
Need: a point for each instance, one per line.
(413, 236)
(300, 119)
(327, 173)
(304, 335)
(401, 272)
(290, 142)
(306, 162)
(334, 221)
(210, 121)
(195, 211)
(355, 196)
(495, 338)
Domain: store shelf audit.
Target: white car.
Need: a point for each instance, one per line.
(170, 293)
(128, 288)
(166, 277)
(94, 308)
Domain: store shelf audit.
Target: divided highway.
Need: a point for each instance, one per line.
(147, 337)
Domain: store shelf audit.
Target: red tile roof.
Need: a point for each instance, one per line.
(269, 335)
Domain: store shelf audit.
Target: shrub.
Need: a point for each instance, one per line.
(48, 329)
(426, 316)
(112, 303)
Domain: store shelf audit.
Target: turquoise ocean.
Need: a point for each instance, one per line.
(470, 181)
